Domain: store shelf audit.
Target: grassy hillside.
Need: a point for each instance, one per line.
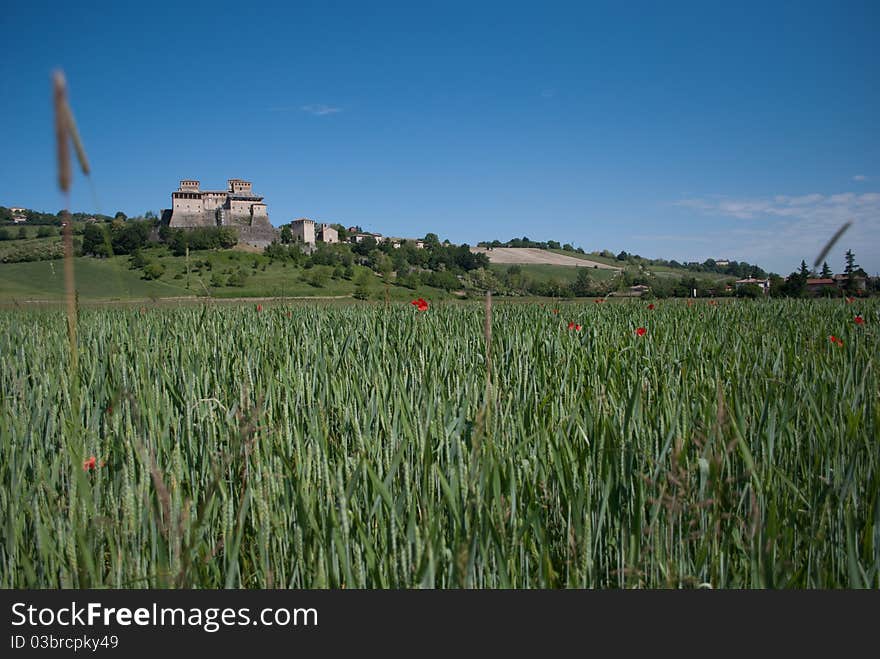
(105, 279)
(113, 279)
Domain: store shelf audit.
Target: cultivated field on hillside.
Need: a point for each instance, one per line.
(528, 255)
(616, 445)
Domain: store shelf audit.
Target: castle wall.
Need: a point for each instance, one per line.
(213, 200)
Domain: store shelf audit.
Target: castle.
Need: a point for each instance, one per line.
(237, 207)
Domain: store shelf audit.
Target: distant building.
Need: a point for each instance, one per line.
(237, 206)
(816, 285)
(859, 282)
(763, 284)
(722, 263)
(326, 234)
(19, 215)
(639, 289)
(360, 237)
(303, 230)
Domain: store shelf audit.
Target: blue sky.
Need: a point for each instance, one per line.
(676, 130)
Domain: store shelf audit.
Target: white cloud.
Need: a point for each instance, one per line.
(319, 109)
(860, 178)
(783, 229)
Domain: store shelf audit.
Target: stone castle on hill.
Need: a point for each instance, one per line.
(237, 207)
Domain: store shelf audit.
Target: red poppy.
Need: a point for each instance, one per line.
(570, 325)
(259, 307)
(858, 320)
(420, 304)
(712, 302)
(650, 307)
(90, 464)
(641, 331)
(598, 300)
(577, 328)
(834, 339)
(556, 311)
(850, 300)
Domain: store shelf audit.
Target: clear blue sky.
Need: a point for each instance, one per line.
(677, 130)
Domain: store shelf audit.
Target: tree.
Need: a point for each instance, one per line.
(826, 271)
(286, 234)
(850, 271)
(5, 235)
(804, 271)
(582, 286)
(362, 285)
(622, 256)
(95, 240)
(153, 271)
(45, 232)
(120, 216)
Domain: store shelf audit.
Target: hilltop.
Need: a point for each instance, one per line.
(122, 258)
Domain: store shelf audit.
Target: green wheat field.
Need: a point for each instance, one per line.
(732, 445)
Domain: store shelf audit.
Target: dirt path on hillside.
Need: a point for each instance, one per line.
(532, 256)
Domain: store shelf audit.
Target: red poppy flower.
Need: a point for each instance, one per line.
(858, 320)
(556, 311)
(577, 328)
(570, 325)
(90, 464)
(641, 331)
(259, 307)
(850, 300)
(650, 307)
(420, 304)
(836, 340)
(598, 300)
(712, 302)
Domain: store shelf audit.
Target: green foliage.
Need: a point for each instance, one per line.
(752, 291)
(200, 239)
(153, 271)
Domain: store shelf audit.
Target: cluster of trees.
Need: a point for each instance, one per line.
(795, 285)
(738, 269)
(178, 240)
(438, 264)
(38, 218)
(22, 233)
(525, 242)
(117, 237)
